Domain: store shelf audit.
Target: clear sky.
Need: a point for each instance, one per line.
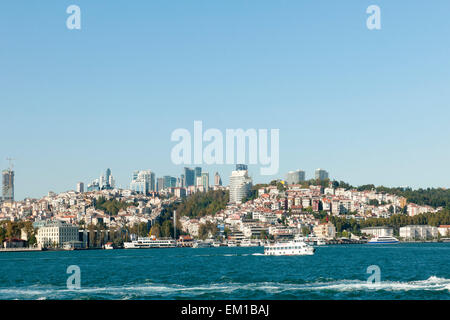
(368, 106)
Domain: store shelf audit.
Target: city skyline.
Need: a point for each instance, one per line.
(370, 106)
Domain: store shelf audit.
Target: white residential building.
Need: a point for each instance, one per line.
(379, 231)
(418, 232)
(56, 233)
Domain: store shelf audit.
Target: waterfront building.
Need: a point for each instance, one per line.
(240, 185)
(80, 187)
(56, 233)
(418, 232)
(379, 231)
(321, 174)
(444, 230)
(325, 230)
(8, 185)
(217, 179)
(295, 177)
(143, 182)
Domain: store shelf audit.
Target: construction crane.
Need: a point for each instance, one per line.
(11, 164)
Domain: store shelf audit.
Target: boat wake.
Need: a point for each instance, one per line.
(228, 289)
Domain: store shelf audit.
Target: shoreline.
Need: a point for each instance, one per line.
(89, 249)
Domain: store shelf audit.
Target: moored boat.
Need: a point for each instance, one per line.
(383, 240)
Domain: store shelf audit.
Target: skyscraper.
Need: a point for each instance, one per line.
(169, 182)
(205, 181)
(198, 172)
(217, 179)
(143, 182)
(321, 174)
(80, 187)
(241, 167)
(8, 185)
(189, 177)
(159, 184)
(295, 177)
(240, 185)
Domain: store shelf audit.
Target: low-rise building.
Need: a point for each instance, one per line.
(325, 230)
(418, 232)
(56, 233)
(379, 231)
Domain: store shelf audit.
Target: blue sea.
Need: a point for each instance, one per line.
(407, 271)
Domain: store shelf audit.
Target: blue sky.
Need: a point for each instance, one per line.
(368, 106)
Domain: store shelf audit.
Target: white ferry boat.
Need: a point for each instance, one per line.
(202, 244)
(383, 240)
(249, 243)
(321, 242)
(296, 247)
(150, 242)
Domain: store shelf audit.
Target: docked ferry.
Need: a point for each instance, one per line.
(383, 240)
(296, 247)
(249, 243)
(150, 242)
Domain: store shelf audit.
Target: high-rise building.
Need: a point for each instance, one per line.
(321, 174)
(80, 187)
(241, 167)
(105, 182)
(8, 185)
(240, 185)
(108, 178)
(217, 179)
(295, 177)
(189, 176)
(159, 184)
(197, 172)
(205, 181)
(143, 182)
(169, 182)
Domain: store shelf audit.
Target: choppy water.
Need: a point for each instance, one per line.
(408, 271)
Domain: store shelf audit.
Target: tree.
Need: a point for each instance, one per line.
(155, 230)
(305, 231)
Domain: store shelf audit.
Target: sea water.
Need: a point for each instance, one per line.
(407, 271)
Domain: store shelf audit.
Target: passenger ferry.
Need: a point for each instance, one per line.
(296, 247)
(320, 242)
(151, 242)
(202, 244)
(383, 240)
(249, 243)
(231, 244)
